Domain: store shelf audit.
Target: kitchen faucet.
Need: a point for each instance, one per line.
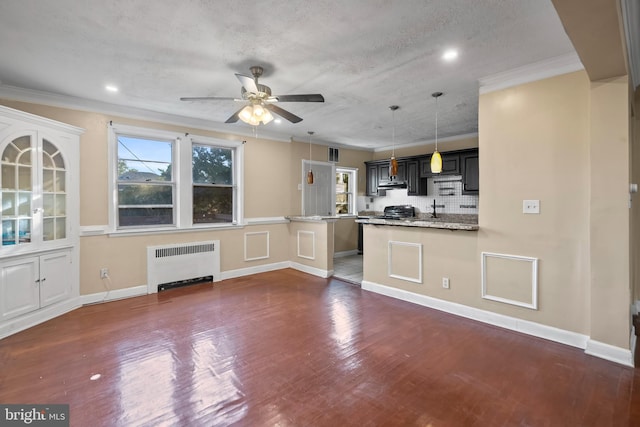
(433, 214)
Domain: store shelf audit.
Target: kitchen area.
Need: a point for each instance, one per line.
(415, 197)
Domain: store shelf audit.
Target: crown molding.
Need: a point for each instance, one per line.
(14, 93)
(429, 141)
(530, 73)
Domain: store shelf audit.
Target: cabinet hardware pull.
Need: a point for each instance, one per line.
(37, 280)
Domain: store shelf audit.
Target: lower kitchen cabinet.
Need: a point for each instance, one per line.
(30, 283)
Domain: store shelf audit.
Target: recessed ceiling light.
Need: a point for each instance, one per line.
(111, 88)
(450, 54)
(277, 121)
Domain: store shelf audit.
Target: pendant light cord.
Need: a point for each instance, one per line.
(437, 123)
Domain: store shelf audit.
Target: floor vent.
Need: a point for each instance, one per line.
(181, 283)
(182, 264)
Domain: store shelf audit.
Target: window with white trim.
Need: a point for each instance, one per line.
(165, 180)
(346, 186)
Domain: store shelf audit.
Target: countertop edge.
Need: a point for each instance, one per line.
(420, 224)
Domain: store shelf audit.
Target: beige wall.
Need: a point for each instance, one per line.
(272, 172)
(563, 141)
(634, 126)
(346, 235)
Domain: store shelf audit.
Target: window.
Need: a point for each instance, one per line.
(346, 185)
(165, 180)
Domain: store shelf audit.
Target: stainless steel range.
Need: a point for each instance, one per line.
(398, 212)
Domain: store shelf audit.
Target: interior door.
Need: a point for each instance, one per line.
(318, 198)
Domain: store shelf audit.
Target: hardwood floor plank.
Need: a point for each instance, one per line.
(286, 348)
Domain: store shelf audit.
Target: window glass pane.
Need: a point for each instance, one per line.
(144, 160)
(145, 194)
(8, 203)
(24, 177)
(144, 216)
(10, 154)
(48, 229)
(24, 158)
(8, 232)
(61, 228)
(47, 162)
(61, 181)
(61, 208)
(23, 143)
(59, 162)
(24, 203)
(212, 204)
(24, 231)
(212, 165)
(47, 204)
(9, 177)
(47, 180)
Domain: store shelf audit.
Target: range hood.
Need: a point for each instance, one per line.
(391, 184)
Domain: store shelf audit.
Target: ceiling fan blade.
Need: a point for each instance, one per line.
(248, 83)
(234, 118)
(312, 97)
(284, 113)
(209, 98)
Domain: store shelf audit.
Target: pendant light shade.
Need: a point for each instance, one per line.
(310, 173)
(255, 113)
(393, 164)
(436, 158)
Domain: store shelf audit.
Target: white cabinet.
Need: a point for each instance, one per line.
(30, 283)
(39, 216)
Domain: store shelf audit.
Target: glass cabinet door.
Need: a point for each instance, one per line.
(34, 193)
(16, 181)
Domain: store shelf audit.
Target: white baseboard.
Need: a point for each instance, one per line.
(36, 317)
(609, 352)
(230, 274)
(113, 295)
(311, 270)
(594, 348)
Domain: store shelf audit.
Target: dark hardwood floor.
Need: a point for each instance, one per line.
(288, 349)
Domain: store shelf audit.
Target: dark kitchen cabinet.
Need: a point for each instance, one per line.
(372, 179)
(470, 172)
(416, 186)
(450, 165)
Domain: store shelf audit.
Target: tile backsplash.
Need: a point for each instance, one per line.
(445, 189)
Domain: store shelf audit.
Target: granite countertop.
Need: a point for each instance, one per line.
(313, 218)
(464, 222)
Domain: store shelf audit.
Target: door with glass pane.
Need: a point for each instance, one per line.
(33, 191)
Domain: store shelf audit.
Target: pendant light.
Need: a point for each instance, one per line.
(310, 173)
(393, 168)
(436, 158)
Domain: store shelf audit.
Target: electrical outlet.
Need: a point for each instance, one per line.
(531, 206)
(445, 282)
(104, 273)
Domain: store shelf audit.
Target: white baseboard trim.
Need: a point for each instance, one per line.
(605, 351)
(231, 274)
(113, 295)
(609, 352)
(311, 270)
(26, 321)
(345, 253)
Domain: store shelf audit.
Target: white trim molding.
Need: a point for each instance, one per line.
(609, 352)
(530, 73)
(390, 261)
(112, 295)
(311, 270)
(534, 280)
(313, 244)
(246, 243)
(240, 272)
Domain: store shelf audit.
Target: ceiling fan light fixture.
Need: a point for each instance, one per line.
(266, 116)
(246, 113)
(258, 110)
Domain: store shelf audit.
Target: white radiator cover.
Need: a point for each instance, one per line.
(171, 263)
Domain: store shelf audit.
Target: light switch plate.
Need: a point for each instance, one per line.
(531, 206)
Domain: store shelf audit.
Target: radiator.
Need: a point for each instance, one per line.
(178, 262)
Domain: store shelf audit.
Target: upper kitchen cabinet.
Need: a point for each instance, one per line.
(39, 189)
(450, 165)
(470, 172)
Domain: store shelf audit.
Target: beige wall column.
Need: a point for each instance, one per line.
(609, 212)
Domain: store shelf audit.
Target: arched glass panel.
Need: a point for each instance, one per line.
(17, 191)
(54, 194)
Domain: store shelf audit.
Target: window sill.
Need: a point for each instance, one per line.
(175, 230)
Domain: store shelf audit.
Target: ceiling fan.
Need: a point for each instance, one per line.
(261, 103)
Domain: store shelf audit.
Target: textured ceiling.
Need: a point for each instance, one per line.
(362, 55)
